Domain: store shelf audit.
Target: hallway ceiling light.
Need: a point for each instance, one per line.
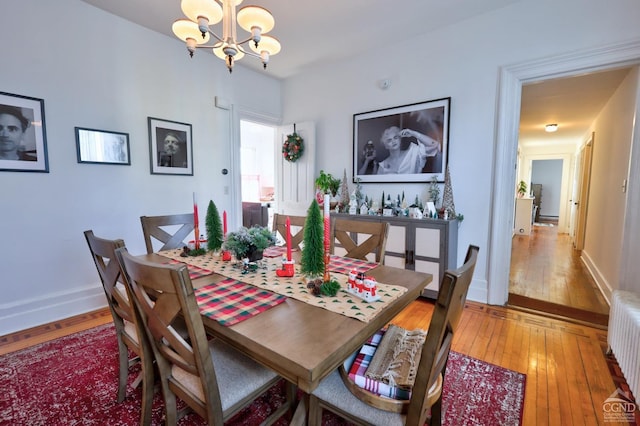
(550, 128)
(202, 14)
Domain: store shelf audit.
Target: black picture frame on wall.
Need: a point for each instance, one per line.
(102, 147)
(23, 141)
(415, 146)
(170, 147)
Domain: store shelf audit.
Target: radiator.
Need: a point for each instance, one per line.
(624, 336)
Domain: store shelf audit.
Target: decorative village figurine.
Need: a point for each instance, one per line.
(362, 286)
(364, 209)
(353, 204)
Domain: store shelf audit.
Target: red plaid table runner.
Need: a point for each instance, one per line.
(194, 271)
(344, 265)
(230, 301)
(275, 251)
(339, 264)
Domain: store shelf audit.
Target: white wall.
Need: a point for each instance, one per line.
(548, 173)
(602, 251)
(96, 70)
(461, 61)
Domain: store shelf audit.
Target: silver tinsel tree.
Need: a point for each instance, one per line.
(447, 197)
(344, 193)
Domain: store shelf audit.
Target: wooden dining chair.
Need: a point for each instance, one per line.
(211, 377)
(129, 333)
(156, 228)
(332, 394)
(297, 228)
(358, 239)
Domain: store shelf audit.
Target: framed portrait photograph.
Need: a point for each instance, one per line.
(23, 141)
(170, 147)
(408, 143)
(102, 146)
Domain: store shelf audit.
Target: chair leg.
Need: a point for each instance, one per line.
(315, 411)
(123, 355)
(148, 388)
(436, 413)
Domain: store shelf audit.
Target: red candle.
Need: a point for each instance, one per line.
(326, 223)
(288, 230)
(224, 223)
(196, 227)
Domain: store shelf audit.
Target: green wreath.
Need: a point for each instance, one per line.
(293, 147)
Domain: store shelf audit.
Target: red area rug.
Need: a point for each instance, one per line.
(73, 381)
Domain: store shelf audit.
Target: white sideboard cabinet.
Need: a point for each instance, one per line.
(423, 245)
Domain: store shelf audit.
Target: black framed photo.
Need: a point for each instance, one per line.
(23, 141)
(102, 146)
(170, 147)
(408, 143)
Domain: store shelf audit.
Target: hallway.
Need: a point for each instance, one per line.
(547, 275)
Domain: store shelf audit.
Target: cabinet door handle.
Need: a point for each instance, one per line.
(406, 257)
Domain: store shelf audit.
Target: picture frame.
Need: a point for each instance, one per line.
(170, 147)
(416, 146)
(102, 147)
(23, 140)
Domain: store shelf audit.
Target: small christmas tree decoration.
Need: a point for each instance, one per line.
(447, 198)
(214, 228)
(312, 262)
(344, 193)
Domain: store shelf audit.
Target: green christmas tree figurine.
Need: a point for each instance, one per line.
(214, 228)
(312, 262)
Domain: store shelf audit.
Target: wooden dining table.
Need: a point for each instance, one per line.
(305, 343)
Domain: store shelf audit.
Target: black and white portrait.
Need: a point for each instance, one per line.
(170, 147)
(402, 144)
(22, 137)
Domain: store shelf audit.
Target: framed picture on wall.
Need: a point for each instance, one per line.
(170, 147)
(23, 141)
(408, 143)
(102, 147)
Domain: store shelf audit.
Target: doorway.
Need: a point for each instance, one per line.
(257, 172)
(511, 79)
(546, 272)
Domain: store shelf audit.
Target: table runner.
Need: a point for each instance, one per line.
(231, 301)
(194, 271)
(338, 264)
(343, 303)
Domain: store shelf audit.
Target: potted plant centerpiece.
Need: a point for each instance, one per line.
(249, 242)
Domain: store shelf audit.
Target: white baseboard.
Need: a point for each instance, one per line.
(47, 308)
(600, 280)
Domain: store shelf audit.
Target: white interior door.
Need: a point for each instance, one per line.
(582, 203)
(296, 181)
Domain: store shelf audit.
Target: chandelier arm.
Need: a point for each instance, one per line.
(215, 35)
(245, 41)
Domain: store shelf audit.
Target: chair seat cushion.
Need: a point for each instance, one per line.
(333, 391)
(237, 375)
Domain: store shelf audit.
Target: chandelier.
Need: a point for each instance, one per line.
(203, 14)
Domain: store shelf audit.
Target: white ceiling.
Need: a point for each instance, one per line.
(313, 32)
(320, 31)
(572, 102)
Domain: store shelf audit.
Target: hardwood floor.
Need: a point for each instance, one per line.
(568, 377)
(548, 275)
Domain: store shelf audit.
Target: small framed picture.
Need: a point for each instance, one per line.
(23, 141)
(408, 143)
(170, 147)
(102, 146)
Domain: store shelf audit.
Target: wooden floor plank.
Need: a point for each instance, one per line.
(567, 375)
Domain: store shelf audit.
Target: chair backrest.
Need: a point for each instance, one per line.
(153, 227)
(297, 228)
(103, 253)
(174, 304)
(444, 322)
(359, 238)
